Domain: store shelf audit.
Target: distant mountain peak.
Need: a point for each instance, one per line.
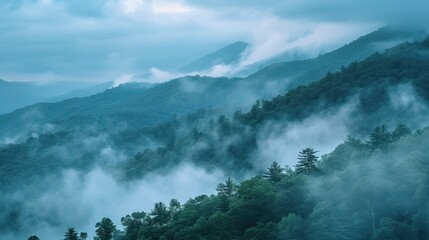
(227, 55)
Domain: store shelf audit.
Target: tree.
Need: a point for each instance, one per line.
(174, 207)
(105, 229)
(229, 188)
(401, 130)
(83, 236)
(34, 237)
(160, 214)
(380, 138)
(307, 161)
(132, 224)
(274, 173)
(70, 234)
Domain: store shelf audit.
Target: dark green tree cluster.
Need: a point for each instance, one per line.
(352, 193)
(380, 137)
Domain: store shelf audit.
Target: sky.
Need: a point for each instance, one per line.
(107, 40)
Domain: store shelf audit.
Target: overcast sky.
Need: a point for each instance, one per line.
(102, 40)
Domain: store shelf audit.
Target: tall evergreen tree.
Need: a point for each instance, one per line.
(160, 214)
(105, 229)
(401, 130)
(83, 235)
(307, 161)
(380, 138)
(132, 224)
(71, 234)
(274, 173)
(174, 207)
(228, 188)
(225, 192)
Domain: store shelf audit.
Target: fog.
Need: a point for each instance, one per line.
(80, 199)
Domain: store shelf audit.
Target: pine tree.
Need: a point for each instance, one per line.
(380, 138)
(105, 229)
(228, 188)
(307, 161)
(274, 173)
(83, 235)
(401, 130)
(160, 214)
(174, 208)
(71, 234)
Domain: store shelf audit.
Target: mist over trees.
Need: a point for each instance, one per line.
(359, 192)
(372, 186)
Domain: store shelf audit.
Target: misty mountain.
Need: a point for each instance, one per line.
(306, 71)
(20, 94)
(82, 92)
(357, 191)
(230, 54)
(390, 88)
(138, 107)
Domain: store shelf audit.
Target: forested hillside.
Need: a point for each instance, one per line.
(388, 88)
(373, 189)
(134, 107)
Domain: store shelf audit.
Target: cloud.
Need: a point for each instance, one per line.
(79, 200)
(132, 6)
(383, 11)
(273, 36)
(126, 78)
(170, 8)
(159, 76)
(100, 40)
(282, 142)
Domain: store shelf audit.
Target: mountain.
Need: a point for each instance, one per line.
(342, 197)
(227, 55)
(390, 88)
(131, 107)
(20, 94)
(305, 71)
(112, 131)
(81, 92)
(147, 107)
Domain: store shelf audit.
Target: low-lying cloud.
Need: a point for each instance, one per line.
(78, 199)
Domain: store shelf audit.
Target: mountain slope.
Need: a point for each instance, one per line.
(227, 55)
(20, 94)
(81, 92)
(386, 88)
(125, 106)
(305, 71)
(391, 87)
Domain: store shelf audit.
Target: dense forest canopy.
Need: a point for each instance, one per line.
(374, 189)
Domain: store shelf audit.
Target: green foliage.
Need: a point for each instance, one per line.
(160, 214)
(105, 229)
(132, 224)
(275, 173)
(83, 235)
(228, 188)
(71, 234)
(34, 237)
(307, 162)
(401, 130)
(292, 227)
(380, 138)
(362, 194)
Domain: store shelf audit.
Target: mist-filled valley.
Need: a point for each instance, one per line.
(283, 126)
